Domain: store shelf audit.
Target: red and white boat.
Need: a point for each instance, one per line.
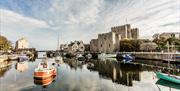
(44, 71)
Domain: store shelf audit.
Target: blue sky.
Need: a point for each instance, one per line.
(41, 20)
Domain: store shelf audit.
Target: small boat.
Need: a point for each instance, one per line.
(177, 57)
(44, 71)
(80, 57)
(13, 57)
(58, 58)
(88, 56)
(127, 56)
(168, 77)
(168, 84)
(104, 55)
(23, 57)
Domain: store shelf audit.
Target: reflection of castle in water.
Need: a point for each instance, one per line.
(120, 73)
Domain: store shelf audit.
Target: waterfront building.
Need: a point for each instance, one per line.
(76, 46)
(87, 47)
(110, 42)
(22, 44)
(64, 47)
(167, 35)
(94, 45)
(126, 31)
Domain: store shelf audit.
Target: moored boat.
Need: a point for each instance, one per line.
(58, 58)
(168, 77)
(22, 58)
(44, 71)
(168, 84)
(104, 55)
(128, 57)
(80, 57)
(177, 57)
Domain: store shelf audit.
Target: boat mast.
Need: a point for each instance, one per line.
(58, 43)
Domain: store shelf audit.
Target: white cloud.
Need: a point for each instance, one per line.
(14, 21)
(76, 12)
(84, 19)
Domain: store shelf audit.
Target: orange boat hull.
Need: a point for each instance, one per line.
(44, 75)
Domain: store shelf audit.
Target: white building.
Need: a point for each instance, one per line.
(22, 44)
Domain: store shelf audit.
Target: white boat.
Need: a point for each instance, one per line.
(89, 56)
(80, 57)
(104, 55)
(13, 57)
(59, 59)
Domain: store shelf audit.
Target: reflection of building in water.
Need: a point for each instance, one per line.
(119, 72)
(74, 64)
(22, 66)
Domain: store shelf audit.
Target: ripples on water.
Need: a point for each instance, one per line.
(96, 75)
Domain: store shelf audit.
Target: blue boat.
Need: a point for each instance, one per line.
(128, 57)
(22, 58)
(177, 57)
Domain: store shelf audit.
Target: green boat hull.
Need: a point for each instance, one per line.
(168, 84)
(167, 78)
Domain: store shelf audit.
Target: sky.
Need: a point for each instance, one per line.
(41, 21)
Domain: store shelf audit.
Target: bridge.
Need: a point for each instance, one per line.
(47, 50)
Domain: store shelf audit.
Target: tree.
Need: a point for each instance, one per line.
(149, 46)
(5, 44)
(175, 42)
(130, 45)
(161, 43)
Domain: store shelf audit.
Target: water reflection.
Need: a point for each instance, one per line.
(4, 67)
(21, 66)
(120, 73)
(73, 75)
(44, 82)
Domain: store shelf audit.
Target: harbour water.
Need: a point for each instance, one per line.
(97, 75)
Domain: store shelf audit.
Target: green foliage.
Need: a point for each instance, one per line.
(5, 44)
(162, 43)
(130, 45)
